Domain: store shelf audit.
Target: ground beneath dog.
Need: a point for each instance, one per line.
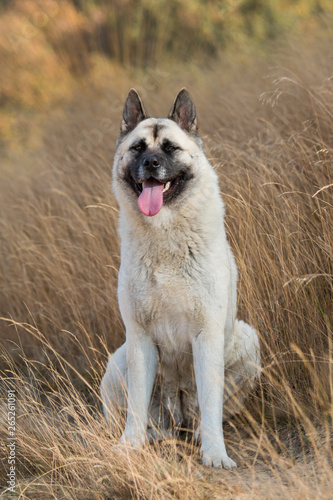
(302, 481)
(301, 471)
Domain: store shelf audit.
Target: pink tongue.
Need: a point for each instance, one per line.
(150, 200)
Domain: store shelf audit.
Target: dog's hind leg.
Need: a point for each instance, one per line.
(241, 370)
(114, 387)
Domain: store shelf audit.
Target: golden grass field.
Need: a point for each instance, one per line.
(267, 126)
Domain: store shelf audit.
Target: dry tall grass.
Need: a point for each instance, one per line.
(271, 142)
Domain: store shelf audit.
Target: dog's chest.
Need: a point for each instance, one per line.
(169, 303)
(169, 288)
(173, 324)
(170, 292)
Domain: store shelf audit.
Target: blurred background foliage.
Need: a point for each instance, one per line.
(50, 48)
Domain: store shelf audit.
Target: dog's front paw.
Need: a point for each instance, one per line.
(215, 456)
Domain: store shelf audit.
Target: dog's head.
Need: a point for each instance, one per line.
(157, 159)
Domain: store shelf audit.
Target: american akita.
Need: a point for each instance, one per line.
(186, 355)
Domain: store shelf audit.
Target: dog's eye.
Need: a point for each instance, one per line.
(169, 148)
(139, 147)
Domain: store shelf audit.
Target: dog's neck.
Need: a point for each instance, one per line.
(177, 236)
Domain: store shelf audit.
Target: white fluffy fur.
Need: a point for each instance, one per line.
(177, 296)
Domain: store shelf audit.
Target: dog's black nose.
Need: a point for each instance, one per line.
(150, 162)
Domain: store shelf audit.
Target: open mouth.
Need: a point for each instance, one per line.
(168, 187)
(153, 193)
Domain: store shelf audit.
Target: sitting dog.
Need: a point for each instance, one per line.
(187, 361)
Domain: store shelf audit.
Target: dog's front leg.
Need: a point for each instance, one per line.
(208, 360)
(142, 361)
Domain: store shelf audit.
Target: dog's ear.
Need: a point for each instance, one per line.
(134, 112)
(183, 112)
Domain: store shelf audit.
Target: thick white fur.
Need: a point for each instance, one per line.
(177, 295)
